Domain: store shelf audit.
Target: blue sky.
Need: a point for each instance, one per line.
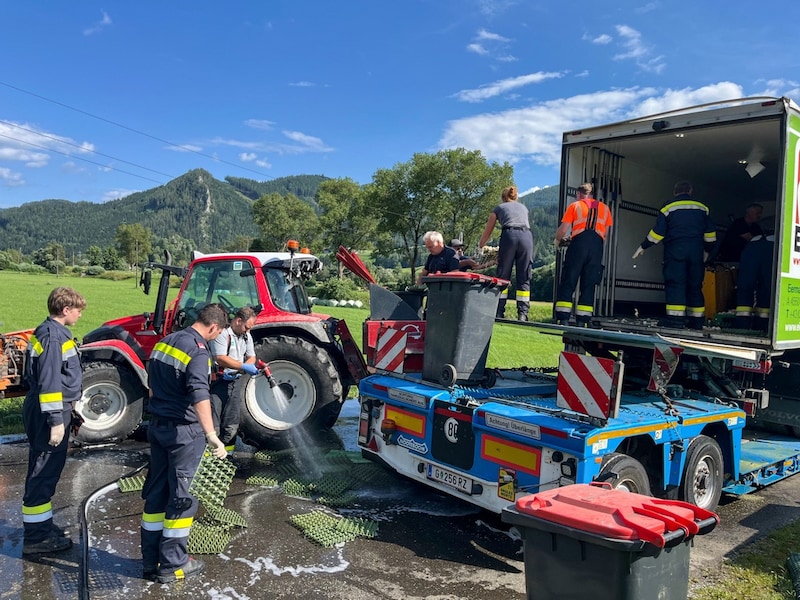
(102, 99)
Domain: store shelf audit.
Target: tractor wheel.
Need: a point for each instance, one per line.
(308, 394)
(626, 473)
(702, 479)
(111, 404)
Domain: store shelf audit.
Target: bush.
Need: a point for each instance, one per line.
(94, 271)
(337, 289)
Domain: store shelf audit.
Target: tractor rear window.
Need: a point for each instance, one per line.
(221, 281)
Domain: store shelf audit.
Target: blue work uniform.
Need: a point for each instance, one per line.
(754, 282)
(179, 371)
(515, 251)
(444, 262)
(53, 374)
(686, 229)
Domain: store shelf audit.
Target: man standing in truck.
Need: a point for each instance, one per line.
(685, 227)
(588, 221)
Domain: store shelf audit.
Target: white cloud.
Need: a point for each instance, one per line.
(646, 8)
(248, 156)
(117, 194)
(99, 26)
(477, 49)
(490, 90)
(262, 124)
(307, 143)
(11, 178)
(185, 148)
(488, 35)
(635, 49)
(264, 164)
(302, 84)
(780, 87)
(602, 39)
(25, 143)
(534, 133)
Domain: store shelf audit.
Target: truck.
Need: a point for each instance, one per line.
(676, 413)
(313, 358)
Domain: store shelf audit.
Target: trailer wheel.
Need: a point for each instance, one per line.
(309, 392)
(625, 473)
(111, 404)
(701, 483)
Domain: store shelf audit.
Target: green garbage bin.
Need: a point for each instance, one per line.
(590, 541)
(459, 319)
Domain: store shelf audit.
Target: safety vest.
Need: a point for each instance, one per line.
(591, 214)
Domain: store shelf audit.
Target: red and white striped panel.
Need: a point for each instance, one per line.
(665, 361)
(585, 384)
(390, 351)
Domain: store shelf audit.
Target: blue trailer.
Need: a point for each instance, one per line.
(527, 434)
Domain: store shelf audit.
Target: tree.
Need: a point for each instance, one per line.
(451, 191)
(282, 218)
(112, 261)
(346, 219)
(133, 242)
(94, 255)
(51, 257)
(241, 243)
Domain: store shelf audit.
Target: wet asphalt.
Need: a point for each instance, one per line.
(427, 545)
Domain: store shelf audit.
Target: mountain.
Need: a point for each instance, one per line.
(303, 186)
(195, 206)
(543, 211)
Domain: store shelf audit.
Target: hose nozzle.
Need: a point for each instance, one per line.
(264, 368)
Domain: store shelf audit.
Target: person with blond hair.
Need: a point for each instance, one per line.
(516, 249)
(54, 376)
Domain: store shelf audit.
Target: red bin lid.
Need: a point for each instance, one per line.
(616, 514)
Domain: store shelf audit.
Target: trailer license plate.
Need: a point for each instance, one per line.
(454, 480)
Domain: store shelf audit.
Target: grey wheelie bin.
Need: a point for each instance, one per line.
(459, 319)
(590, 541)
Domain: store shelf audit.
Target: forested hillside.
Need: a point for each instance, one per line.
(303, 186)
(543, 209)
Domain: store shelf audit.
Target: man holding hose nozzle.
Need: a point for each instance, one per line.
(234, 354)
(180, 426)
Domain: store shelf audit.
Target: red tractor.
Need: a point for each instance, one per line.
(313, 357)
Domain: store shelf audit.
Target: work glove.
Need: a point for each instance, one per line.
(56, 434)
(638, 253)
(249, 368)
(215, 445)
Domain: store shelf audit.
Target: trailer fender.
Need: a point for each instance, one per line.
(115, 351)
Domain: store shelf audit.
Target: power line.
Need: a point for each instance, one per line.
(83, 159)
(136, 131)
(60, 141)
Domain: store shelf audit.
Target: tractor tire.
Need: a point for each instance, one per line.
(111, 405)
(308, 396)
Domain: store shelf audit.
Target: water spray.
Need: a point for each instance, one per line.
(264, 368)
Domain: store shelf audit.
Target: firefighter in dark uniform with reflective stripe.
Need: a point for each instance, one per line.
(516, 249)
(181, 423)
(685, 227)
(755, 282)
(585, 223)
(53, 374)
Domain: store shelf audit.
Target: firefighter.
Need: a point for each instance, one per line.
(586, 221)
(755, 281)
(689, 236)
(516, 249)
(234, 354)
(53, 374)
(180, 425)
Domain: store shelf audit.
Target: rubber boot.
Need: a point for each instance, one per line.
(522, 311)
(151, 540)
(582, 321)
(501, 309)
(695, 323)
